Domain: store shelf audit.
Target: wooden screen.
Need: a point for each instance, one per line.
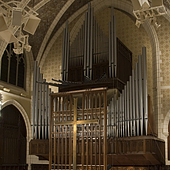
(78, 137)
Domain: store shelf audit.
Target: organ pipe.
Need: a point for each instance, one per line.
(145, 98)
(131, 107)
(41, 106)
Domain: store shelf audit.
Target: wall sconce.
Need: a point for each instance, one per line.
(6, 89)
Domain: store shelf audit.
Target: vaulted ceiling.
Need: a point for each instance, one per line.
(48, 13)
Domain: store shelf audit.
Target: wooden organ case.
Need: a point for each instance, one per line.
(102, 115)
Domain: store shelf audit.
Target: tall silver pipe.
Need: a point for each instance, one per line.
(112, 39)
(117, 118)
(140, 95)
(68, 54)
(123, 113)
(46, 111)
(85, 46)
(34, 98)
(43, 111)
(115, 46)
(49, 112)
(128, 122)
(120, 107)
(112, 117)
(133, 103)
(66, 51)
(108, 119)
(40, 107)
(98, 37)
(91, 42)
(36, 103)
(114, 105)
(83, 40)
(130, 104)
(110, 51)
(137, 99)
(88, 40)
(63, 56)
(145, 97)
(95, 39)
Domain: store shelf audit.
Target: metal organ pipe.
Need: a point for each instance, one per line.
(34, 97)
(36, 103)
(88, 39)
(145, 97)
(140, 95)
(137, 99)
(43, 111)
(131, 108)
(91, 42)
(85, 45)
(128, 122)
(125, 114)
(63, 56)
(40, 107)
(46, 112)
(41, 104)
(110, 51)
(130, 104)
(133, 104)
(68, 53)
(112, 40)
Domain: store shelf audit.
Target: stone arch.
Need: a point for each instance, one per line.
(52, 26)
(23, 113)
(27, 124)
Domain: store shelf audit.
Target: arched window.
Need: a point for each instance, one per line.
(13, 67)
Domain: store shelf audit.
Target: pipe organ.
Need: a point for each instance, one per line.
(92, 53)
(102, 108)
(127, 113)
(40, 106)
(90, 50)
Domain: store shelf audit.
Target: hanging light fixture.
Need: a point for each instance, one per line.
(148, 9)
(13, 20)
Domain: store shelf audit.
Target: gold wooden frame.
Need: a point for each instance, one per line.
(88, 142)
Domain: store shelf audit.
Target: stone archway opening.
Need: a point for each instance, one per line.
(13, 142)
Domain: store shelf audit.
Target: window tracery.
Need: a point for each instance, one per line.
(13, 67)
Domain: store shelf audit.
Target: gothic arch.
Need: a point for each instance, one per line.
(52, 26)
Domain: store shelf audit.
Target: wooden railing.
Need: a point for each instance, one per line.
(143, 150)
